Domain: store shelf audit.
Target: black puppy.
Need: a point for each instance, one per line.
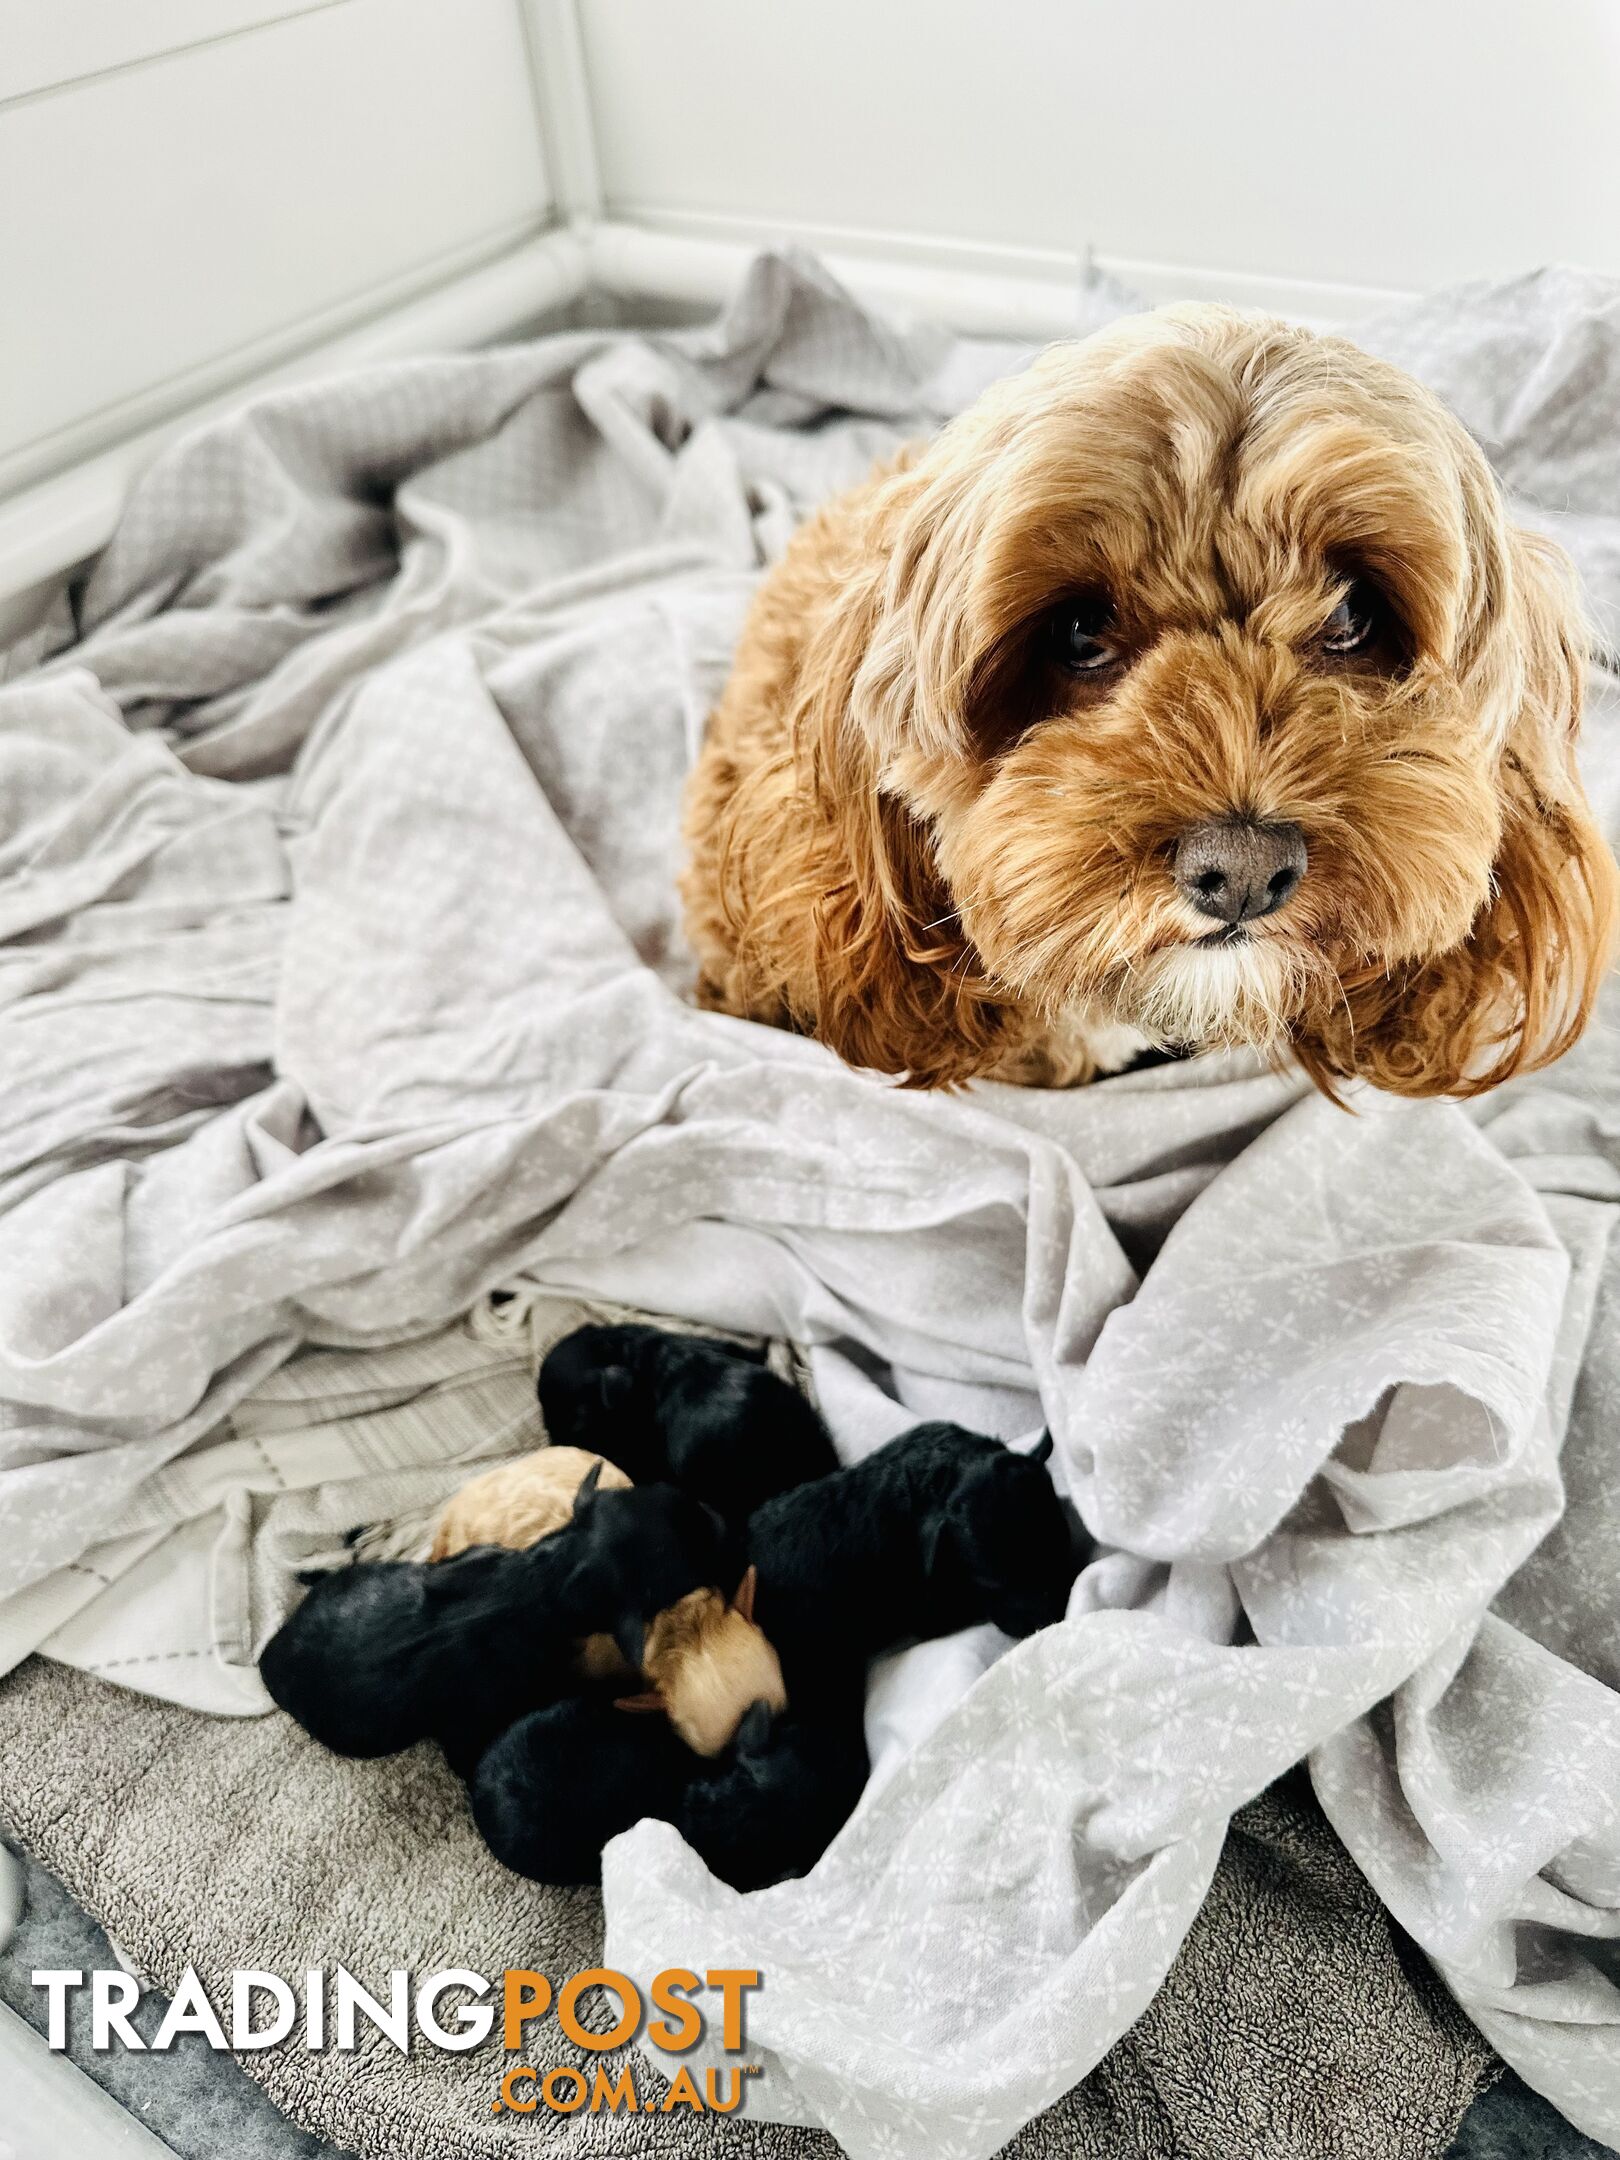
(709, 1417)
(551, 1791)
(775, 1802)
(939, 1530)
(384, 1654)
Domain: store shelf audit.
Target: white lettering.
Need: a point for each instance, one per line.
(394, 2023)
(56, 1984)
(243, 1987)
(472, 2020)
(190, 2011)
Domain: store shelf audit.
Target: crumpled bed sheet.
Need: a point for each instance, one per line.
(341, 986)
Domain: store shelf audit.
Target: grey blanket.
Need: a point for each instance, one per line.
(342, 983)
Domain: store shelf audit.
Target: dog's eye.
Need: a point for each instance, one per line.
(1354, 622)
(1082, 636)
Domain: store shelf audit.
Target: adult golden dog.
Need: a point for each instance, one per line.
(1192, 688)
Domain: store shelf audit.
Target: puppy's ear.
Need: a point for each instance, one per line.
(1521, 987)
(615, 1385)
(937, 1547)
(753, 1732)
(743, 1602)
(1042, 1450)
(651, 1703)
(586, 1492)
(955, 1546)
(631, 1638)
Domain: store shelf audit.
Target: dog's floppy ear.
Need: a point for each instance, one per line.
(823, 867)
(898, 987)
(743, 1602)
(1519, 989)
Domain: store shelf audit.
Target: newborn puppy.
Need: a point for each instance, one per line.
(704, 1660)
(707, 1664)
(518, 1503)
(706, 1416)
(771, 1807)
(552, 1790)
(939, 1530)
(556, 1786)
(382, 1655)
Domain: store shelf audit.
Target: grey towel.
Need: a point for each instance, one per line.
(1290, 2026)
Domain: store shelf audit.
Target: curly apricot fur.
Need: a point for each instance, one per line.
(912, 836)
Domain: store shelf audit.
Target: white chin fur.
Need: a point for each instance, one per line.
(1212, 996)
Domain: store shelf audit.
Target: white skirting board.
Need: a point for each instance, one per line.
(50, 528)
(645, 149)
(1012, 292)
(53, 526)
(52, 2111)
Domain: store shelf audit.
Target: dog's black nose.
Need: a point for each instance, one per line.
(1235, 870)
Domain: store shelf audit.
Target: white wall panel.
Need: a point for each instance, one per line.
(1383, 143)
(44, 43)
(157, 219)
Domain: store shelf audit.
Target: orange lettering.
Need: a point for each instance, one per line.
(525, 1996)
(568, 2008)
(509, 2089)
(683, 2093)
(616, 2096)
(668, 1993)
(711, 2081)
(548, 2088)
(731, 1982)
